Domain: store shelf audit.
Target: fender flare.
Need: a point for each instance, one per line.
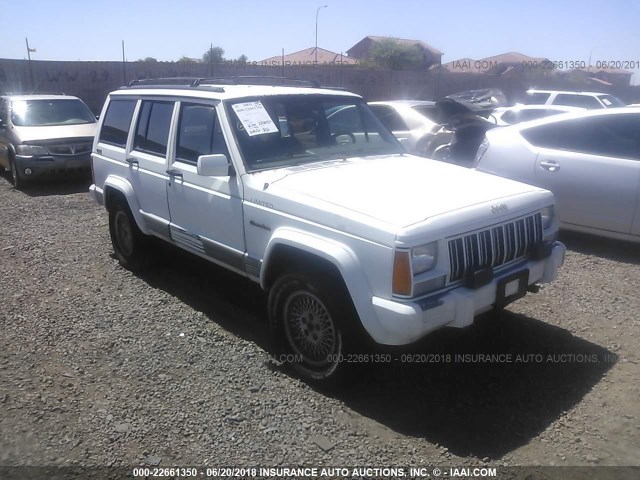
(336, 253)
(124, 187)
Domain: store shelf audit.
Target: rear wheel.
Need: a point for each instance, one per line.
(131, 246)
(311, 325)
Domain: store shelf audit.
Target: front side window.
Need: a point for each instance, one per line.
(199, 133)
(117, 119)
(285, 130)
(152, 132)
(389, 118)
(36, 113)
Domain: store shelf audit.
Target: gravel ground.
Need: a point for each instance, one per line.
(99, 366)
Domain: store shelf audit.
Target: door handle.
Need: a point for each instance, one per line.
(133, 161)
(550, 165)
(173, 172)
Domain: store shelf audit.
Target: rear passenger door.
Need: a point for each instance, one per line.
(147, 161)
(206, 212)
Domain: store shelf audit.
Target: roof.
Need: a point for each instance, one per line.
(536, 90)
(403, 41)
(225, 92)
(60, 96)
(410, 103)
(308, 57)
(586, 113)
(614, 71)
(512, 57)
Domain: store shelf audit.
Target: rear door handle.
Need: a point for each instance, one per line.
(550, 165)
(173, 172)
(133, 161)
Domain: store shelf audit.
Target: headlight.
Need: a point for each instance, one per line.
(548, 214)
(423, 257)
(31, 150)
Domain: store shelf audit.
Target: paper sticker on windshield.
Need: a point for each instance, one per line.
(606, 101)
(254, 118)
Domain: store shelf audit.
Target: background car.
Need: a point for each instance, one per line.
(525, 113)
(44, 134)
(590, 100)
(589, 160)
(413, 122)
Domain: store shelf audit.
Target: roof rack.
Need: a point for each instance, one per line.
(195, 82)
(260, 80)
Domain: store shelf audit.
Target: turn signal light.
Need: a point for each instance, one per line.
(401, 274)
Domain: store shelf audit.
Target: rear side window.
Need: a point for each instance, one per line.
(115, 127)
(152, 132)
(607, 135)
(199, 133)
(584, 101)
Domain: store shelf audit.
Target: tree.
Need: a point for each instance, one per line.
(149, 60)
(215, 53)
(185, 59)
(390, 53)
(242, 58)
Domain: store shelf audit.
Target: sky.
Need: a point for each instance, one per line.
(167, 30)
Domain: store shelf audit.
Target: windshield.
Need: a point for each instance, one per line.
(50, 112)
(610, 101)
(285, 130)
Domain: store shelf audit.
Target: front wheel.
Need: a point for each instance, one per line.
(17, 180)
(310, 325)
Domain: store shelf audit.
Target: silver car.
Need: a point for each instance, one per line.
(44, 134)
(411, 121)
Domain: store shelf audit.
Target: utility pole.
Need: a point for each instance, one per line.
(316, 50)
(29, 50)
(124, 66)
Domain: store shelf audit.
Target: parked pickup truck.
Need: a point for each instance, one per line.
(352, 237)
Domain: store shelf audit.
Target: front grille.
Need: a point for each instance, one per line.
(70, 149)
(494, 246)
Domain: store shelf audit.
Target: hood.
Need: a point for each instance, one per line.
(54, 132)
(399, 190)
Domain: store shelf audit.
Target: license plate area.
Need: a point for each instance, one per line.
(511, 288)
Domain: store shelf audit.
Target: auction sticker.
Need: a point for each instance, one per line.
(254, 118)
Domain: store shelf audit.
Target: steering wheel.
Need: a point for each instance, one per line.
(343, 137)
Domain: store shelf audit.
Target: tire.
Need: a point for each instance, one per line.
(311, 323)
(16, 179)
(131, 246)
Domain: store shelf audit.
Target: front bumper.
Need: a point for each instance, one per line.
(32, 167)
(406, 322)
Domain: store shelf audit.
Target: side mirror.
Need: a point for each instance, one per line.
(216, 165)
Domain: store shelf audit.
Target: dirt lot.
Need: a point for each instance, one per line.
(99, 366)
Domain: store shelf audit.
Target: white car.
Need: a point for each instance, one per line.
(590, 100)
(413, 122)
(589, 160)
(525, 113)
(352, 237)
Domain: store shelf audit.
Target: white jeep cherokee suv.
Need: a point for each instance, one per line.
(352, 237)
